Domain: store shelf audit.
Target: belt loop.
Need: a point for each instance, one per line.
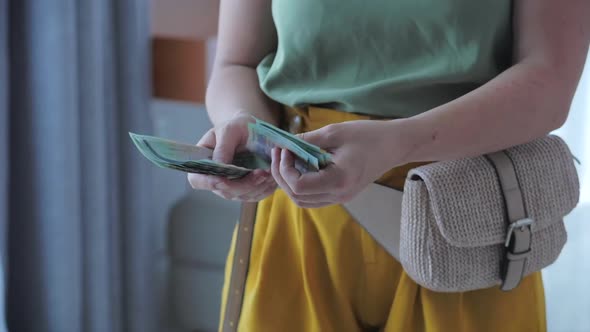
(294, 119)
(296, 124)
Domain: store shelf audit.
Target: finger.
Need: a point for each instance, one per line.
(324, 137)
(275, 171)
(244, 185)
(203, 182)
(292, 176)
(288, 171)
(224, 194)
(258, 190)
(262, 172)
(270, 190)
(228, 139)
(208, 140)
(265, 190)
(211, 182)
(314, 200)
(246, 197)
(327, 180)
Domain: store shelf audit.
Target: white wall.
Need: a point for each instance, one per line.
(567, 282)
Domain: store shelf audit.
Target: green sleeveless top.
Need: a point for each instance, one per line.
(393, 58)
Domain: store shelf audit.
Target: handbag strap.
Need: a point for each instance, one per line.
(518, 235)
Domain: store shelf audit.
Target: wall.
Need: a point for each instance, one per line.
(566, 282)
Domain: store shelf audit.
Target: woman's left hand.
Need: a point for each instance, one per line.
(361, 151)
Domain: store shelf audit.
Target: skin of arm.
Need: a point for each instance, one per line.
(525, 102)
(246, 35)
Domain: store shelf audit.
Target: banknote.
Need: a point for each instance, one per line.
(262, 138)
(194, 159)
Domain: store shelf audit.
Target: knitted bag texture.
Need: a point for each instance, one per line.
(454, 221)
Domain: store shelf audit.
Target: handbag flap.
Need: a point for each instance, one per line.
(466, 198)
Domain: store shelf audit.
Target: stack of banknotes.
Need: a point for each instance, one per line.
(262, 138)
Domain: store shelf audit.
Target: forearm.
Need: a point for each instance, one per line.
(235, 88)
(521, 104)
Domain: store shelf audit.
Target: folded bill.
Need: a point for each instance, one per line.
(263, 137)
(193, 159)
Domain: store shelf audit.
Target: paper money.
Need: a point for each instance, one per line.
(263, 137)
(194, 159)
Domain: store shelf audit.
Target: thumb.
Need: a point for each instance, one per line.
(208, 140)
(319, 137)
(226, 145)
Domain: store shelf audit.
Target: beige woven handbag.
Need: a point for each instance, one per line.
(489, 220)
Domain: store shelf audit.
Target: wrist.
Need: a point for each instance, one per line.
(404, 140)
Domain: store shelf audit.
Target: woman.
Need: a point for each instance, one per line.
(455, 78)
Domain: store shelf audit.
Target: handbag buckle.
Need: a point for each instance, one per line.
(520, 224)
(518, 244)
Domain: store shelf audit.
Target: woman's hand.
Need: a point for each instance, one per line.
(359, 156)
(225, 140)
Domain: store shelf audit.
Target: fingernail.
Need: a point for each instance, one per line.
(259, 180)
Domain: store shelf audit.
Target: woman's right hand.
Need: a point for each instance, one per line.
(225, 140)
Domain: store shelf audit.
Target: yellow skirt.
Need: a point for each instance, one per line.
(318, 270)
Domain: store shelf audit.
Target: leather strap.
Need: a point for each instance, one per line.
(378, 210)
(518, 237)
(241, 261)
